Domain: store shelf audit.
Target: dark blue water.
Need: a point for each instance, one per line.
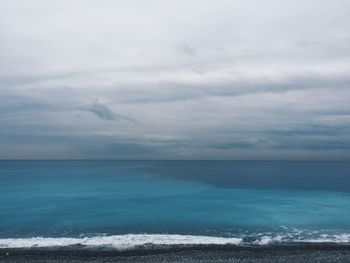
(255, 201)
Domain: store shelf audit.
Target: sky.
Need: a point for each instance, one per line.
(185, 79)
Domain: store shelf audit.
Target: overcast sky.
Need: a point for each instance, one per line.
(184, 79)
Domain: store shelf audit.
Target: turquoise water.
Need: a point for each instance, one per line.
(254, 201)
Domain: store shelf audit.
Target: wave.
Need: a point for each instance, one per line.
(130, 241)
(341, 238)
(120, 242)
(288, 238)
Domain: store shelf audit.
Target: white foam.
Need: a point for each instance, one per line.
(321, 238)
(265, 240)
(341, 238)
(117, 241)
(122, 242)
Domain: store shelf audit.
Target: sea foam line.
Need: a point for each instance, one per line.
(117, 241)
(323, 238)
(130, 241)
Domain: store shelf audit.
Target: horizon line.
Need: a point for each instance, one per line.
(220, 160)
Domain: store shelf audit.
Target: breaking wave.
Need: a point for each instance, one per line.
(117, 241)
(130, 241)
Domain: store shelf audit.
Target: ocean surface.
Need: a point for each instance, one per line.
(125, 204)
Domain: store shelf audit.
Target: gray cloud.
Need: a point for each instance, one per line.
(187, 50)
(105, 113)
(102, 111)
(125, 80)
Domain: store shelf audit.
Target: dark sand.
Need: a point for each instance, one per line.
(204, 254)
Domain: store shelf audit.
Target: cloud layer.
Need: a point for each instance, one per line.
(175, 80)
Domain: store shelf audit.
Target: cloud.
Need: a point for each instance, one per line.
(84, 79)
(187, 50)
(102, 111)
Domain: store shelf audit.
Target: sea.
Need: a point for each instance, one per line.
(131, 204)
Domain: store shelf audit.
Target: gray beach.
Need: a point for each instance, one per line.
(203, 254)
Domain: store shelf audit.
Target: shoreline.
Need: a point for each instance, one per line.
(305, 252)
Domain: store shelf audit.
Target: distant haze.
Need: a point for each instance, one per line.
(184, 79)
